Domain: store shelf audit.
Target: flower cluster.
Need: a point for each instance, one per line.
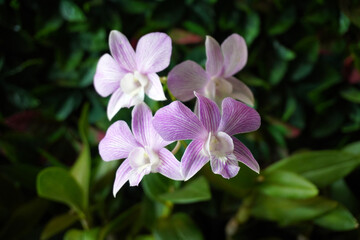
(127, 75)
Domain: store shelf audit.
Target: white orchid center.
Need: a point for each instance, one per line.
(219, 145)
(140, 158)
(132, 83)
(218, 88)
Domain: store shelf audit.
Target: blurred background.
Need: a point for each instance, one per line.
(303, 68)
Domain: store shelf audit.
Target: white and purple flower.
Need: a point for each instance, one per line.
(212, 134)
(217, 82)
(128, 75)
(143, 149)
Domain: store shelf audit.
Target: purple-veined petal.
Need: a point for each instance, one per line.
(122, 176)
(193, 159)
(227, 168)
(237, 117)
(235, 54)
(153, 52)
(118, 142)
(143, 129)
(122, 51)
(243, 154)
(137, 175)
(177, 122)
(241, 91)
(120, 100)
(108, 75)
(169, 165)
(154, 89)
(214, 57)
(186, 78)
(209, 113)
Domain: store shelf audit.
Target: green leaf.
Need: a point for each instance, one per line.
(71, 12)
(179, 227)
(58, 224)
(353, 148)
(155, 185)
(351, 94)
(320, 167)
(287, 211)
(283, 52)
(282, 21)
(252, 27)
(59, 185)
(75, 234)
(49, 27)
(338, 219)
(277, 70)
(82, 167)
(287, 185)
(195, 191)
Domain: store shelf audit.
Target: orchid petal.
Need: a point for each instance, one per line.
(227, 168)
(243, 154)
(143, 129)
(122, 176)
(120, 100)
(215, 58)
(237, 117)
(155, 90)
(153, 52)
(108, 75)
(209, 113)
(122, 51)
(235, 54)
(186, 78)
(241, 91)
(177, 122)
(193, 159)
(118, 142)
(169, 166)
(136, 176)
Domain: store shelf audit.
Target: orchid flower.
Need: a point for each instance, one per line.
(212, 134)
(128, 75)
(144, 151)
(217, 82)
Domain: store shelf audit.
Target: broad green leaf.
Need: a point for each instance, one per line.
(252, 27)
(58, 224)
(195, 191)
(351, 94)
(156, 184)
(71, 12)
(282, 21)
(75, 234)
(287, 185)
(287, 211)
(177, 227)
(59, 185)
(338, 219)
(353, 148)
(283, 52)
(320, 167)
(82, 167)
(277, 70)
(340, 191)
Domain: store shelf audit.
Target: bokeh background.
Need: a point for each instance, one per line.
(303, 67)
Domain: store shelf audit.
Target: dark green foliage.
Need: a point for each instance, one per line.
(304, 70)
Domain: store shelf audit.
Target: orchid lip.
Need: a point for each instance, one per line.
(132, 83)
(141, 158)
(218, 145)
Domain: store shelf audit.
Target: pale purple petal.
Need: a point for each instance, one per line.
(228, 168)
(193, 159)
(122, 176)
(143, 129)
(235, 54)
(136, 176)
(237, 117)
(186, 78)
(120, 100)
(243, 154)
(154, 89)
(122, 51)
(169, 166)
(117, 143)
(177, 122)
(209, 113)
(153, 52)
(241, 91)
(215, 58)
(108, 75)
